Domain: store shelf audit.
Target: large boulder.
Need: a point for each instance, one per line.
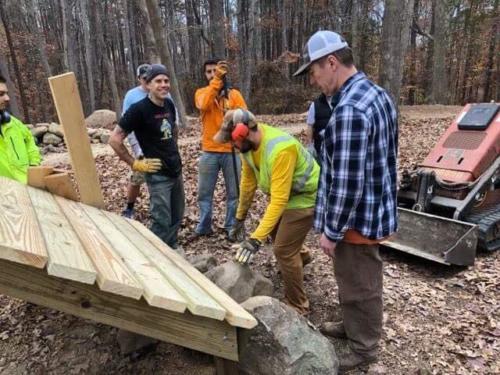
(56, 129)
(51, 139)
(39, 131)
(102, 118)
(283, 342)
(203, 262)
(239, 281)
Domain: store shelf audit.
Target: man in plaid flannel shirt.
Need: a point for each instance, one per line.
(356, 205)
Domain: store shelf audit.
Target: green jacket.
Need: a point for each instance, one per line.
(18, 150)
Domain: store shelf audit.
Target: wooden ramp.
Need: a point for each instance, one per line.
(91, 263)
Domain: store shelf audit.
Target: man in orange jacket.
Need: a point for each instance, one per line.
(212, 101)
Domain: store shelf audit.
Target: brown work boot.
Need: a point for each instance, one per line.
(333, 329)
(351, 360)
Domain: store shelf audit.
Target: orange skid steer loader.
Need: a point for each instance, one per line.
(450, 205)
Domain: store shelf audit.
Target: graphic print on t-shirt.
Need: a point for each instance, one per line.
(166, 129)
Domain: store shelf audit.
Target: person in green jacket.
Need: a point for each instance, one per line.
(18, 150)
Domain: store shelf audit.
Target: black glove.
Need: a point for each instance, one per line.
(247, 249)
(237, 231)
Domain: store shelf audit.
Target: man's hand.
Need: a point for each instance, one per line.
(221, 69)
(247, 249)
(146, 165)
(327, 246)
(237, 232)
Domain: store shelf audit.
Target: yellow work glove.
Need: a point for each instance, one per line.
(146, 165)
(246, 250)
(221, 69)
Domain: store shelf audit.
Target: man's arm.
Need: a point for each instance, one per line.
(248, 186)
(311, 114)
(281, 186)
(237, 100)
(204, 98)
(116, 142)
(34, 156)
(346, 145)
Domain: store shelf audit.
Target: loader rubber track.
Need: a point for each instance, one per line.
(488, 222)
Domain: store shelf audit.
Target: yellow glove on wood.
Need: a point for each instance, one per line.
(146, 165)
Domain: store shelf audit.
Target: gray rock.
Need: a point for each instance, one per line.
(91, 132)
(29, 126)
(51, 139)
(203, 262)
(105, 137)
(39, 131)
(130, 342)
(56, 129)
(283, 342)
(42, 124)
(97, 134)
(239, 281)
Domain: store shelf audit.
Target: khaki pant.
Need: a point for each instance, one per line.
(288, 238)
(358, 270)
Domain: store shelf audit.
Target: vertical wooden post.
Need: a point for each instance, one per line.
(225, 366)
(69, 109)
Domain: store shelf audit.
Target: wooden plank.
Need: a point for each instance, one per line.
(206, 335)
(157, 290)
(113, 276)
(36, 175)
(21, 240)
(60, 184)
(67, 257)
(69, 109)
(198, 301)
(235, 314)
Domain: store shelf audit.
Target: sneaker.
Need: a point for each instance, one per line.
(351, 360)
(333, 329)
(128, 213)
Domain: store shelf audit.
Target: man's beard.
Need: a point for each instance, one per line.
(246, 146)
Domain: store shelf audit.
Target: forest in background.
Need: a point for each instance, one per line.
(422, 51)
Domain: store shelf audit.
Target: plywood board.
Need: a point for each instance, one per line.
(69, 109)
(21, 240)
(67, 257)
(157, 290)
(235, 314)
(113, 276)
(206, 335)
(198, 301)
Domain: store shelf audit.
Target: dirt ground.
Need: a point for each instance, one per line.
(437, 319)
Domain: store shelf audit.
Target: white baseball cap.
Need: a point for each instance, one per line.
(320, 44)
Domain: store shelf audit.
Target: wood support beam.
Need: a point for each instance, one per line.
(69, 109)
(210, 336)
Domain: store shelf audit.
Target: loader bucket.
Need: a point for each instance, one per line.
(436, 238)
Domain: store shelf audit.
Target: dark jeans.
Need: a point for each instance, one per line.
(166, 206)
(358, 270)
(208, 172)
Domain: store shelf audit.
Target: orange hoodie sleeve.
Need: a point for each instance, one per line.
(204, 98)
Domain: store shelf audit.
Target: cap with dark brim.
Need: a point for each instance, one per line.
(303, 69)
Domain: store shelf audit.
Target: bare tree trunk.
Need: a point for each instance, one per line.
(216, 15)
(162, 47)
(126, 44)
(89, 54)
(439, 86)
(488, 73)
(108, 68)
(395, 37)
(4, 71)
(17, 71)
(151, 48)
(194, 47)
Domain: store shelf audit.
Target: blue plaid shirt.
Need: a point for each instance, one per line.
(358, 183)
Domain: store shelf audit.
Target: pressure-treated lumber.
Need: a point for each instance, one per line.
(36, 175)
(21, 240)
(69, 109)
(60, 184)
(67, 257)
(207, 335)
(235, 314)
(113, 275)
(198, 301)
(157, 290)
